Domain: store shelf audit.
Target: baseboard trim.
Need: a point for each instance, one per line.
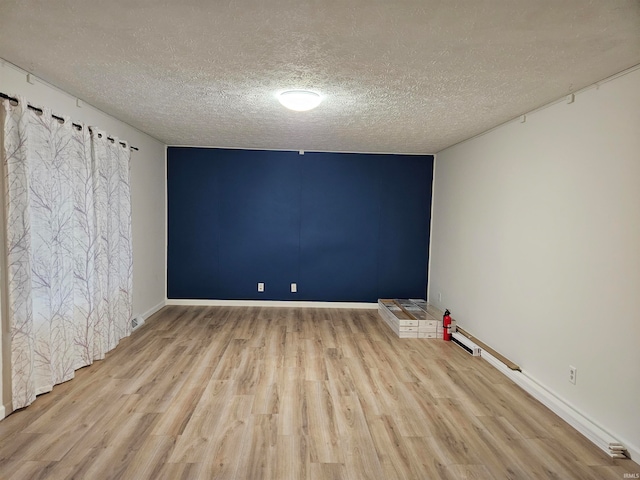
(596, 434)
(140, 320)
(2, 412)
(272, 303)
(153, 310)
(633, 451)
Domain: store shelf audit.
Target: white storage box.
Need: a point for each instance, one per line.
(410, 318)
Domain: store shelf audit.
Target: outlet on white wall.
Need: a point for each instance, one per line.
(439, 297)
(573, 371)
(261, 287)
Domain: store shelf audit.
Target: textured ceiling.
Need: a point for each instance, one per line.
(410, 76)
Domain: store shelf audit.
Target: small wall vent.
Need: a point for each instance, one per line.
(136, 323)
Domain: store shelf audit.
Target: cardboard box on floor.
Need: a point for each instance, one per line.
(410, 318)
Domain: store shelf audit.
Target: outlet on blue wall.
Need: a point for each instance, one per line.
(344, 227)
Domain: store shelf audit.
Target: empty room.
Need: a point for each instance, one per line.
(320, 240)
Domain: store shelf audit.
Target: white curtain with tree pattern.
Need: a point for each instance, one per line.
(68, 247)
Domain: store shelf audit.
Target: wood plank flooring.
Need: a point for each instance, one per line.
(304, 394)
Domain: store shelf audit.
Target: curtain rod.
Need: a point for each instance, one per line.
(60, 119)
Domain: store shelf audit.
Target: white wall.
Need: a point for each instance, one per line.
(536, 248)
(147, 183)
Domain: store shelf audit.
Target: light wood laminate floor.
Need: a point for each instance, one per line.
(271, 393)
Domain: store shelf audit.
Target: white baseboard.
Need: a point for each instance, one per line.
(138, 320)
(563, 409)
(271, 303)
(634, 451)
(153, 310)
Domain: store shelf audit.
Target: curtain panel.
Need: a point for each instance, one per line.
(68, 247)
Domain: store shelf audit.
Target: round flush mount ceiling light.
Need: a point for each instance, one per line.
(300, 100)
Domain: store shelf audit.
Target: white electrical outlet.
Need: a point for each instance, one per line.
(439, 297)
(261, 287)
(573, 371)
(294, 287)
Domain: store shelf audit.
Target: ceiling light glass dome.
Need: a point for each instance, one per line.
(300, 100)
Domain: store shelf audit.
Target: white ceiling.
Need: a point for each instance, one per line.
(412, 76)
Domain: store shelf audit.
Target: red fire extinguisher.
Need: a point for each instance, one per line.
(446, 325)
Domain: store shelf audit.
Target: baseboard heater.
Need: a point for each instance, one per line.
(560, 407)
(466, 344)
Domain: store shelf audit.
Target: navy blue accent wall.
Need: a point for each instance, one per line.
(344, 227)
